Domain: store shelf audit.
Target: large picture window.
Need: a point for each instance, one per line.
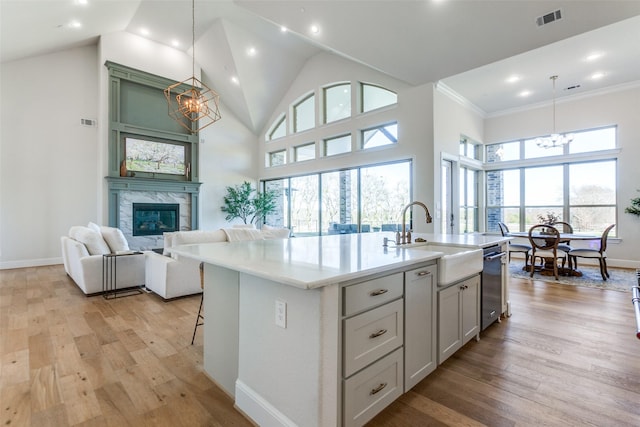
(363, 199)
(578, 189)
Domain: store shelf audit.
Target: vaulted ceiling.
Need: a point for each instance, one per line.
(469, 46)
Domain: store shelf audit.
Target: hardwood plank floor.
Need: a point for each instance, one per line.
(568, 356)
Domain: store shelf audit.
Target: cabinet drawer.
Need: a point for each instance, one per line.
(370, 391)
(372, 293)
(371, 335)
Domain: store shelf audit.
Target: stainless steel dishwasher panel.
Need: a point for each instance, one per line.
(491, 304)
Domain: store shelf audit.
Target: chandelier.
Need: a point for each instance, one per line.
(555, 139)
(191, 103)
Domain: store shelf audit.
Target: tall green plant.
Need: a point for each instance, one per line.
(635, 207)
(240, 202)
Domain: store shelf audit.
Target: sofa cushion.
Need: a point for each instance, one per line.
(168, 241)
(92, 240)
(275, 232)
(198, 236)
(114, 238)
(242, 234)
(94, 226)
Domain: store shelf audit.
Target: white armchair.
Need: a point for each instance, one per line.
(82, 252)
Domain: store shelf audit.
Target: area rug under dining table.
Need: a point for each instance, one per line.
(622, 279)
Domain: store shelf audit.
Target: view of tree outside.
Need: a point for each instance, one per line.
(582, 193)
(304, 192)
(155, 157)
(384, 190)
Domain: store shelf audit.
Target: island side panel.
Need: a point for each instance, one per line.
(220, 305)
(282, 378)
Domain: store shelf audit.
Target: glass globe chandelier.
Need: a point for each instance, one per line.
(555, 139)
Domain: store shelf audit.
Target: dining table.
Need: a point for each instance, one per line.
(564, 238)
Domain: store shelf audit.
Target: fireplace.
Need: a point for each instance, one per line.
(150, 219)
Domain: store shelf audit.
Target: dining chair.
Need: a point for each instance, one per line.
(599, 254)
(515, 247)
(546, 247)
(564, 246)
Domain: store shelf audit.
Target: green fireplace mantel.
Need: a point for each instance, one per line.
(117, 185)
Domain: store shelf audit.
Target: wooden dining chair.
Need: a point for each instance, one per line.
(200, 316)
(515, 247)
(564, 246)
(600, 254)
(545, 247)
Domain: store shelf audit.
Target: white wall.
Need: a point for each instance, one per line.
(49, 160)
(614, 108)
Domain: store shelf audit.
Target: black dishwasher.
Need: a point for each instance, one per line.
(491, 286)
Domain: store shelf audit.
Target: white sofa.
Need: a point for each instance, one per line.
(82, 252)
(172, 276)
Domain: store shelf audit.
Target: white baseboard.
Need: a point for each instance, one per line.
(258, 409)
(6, 265)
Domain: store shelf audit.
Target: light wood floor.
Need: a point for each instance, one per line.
(567, 356)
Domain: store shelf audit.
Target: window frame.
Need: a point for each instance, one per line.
(294, 112)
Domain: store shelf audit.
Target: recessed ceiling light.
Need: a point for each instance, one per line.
(82, 2)
(144, 32)
(524, 93)
(315, 29)
(513, 79)
(235, 80)
(593, 56)
(597, 76)
(252, 51)
(283, 29)
(75, 24)
(175, 43)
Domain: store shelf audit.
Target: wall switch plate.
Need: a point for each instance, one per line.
(281, 314)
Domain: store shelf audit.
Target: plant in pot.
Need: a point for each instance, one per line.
(241, 202)
(549, 219)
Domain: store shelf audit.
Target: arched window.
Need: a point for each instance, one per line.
(279, 129)
(374, 97)
(337, 102)
(304, 114)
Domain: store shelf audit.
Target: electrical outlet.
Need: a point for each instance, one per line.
(281, 314)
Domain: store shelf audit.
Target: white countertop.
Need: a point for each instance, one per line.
(313, 262)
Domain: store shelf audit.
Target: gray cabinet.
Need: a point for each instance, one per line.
(373, 354)
(420, 308)
(458, 316)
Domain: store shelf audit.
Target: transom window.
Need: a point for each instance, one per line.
(304, 152)
(380, 135)
(337, 145)
(277, 158)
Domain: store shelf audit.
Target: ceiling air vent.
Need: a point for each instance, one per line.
(549, 18)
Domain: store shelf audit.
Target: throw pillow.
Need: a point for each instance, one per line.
(114, 238)
(94, 226)
(93, 240)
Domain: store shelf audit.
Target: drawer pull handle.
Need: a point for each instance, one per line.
(377, 389)
(424, 273)
(377, 334)
(378, 292)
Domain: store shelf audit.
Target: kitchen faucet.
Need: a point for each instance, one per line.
(404, 238)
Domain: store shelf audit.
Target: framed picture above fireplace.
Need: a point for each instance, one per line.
(145, 156)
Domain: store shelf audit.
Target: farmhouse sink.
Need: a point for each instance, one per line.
(457, 262)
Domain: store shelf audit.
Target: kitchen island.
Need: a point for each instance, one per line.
(284, 318)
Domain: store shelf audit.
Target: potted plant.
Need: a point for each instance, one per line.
(241, 202)
(549, 219)
(634, 208)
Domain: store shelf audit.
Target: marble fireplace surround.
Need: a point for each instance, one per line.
(124, 191)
